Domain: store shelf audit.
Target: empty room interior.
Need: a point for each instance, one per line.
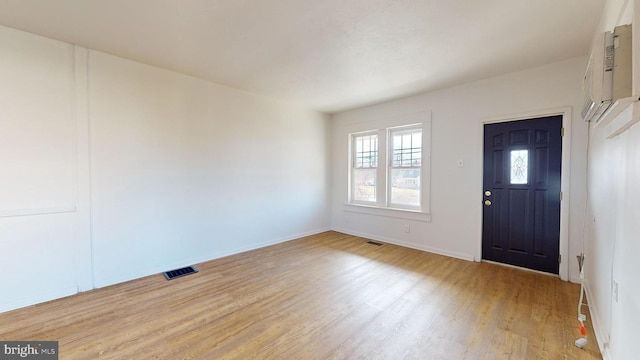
(411, 179)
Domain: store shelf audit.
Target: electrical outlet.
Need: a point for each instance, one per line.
(407, 228)
(615, 291)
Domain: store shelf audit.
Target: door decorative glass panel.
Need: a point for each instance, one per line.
(519, 166)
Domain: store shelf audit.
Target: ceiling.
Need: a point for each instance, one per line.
(327, 55)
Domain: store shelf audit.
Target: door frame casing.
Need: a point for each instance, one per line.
(565, 176)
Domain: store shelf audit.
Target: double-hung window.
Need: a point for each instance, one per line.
(365, 167)
(405, 167)
(387, 168)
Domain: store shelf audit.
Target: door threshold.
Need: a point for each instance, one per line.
(520, 268)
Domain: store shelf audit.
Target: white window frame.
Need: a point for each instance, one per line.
(352, 167)
(382, 207)
(390, 166)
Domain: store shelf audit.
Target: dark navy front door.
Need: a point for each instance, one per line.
(521, 199)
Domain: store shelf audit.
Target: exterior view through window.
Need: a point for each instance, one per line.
(365, 164)
(387, 175)
(406, 160)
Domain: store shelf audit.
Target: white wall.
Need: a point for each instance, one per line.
(625, 312)
(605, 170)
(611, 241)
(112, 170)
(37, 177)
(456, 193)
(184, 170)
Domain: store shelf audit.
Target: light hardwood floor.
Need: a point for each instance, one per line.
(327, 296)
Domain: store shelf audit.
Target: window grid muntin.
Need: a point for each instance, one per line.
(406, 155)
(406, 148)
(365, 151)
(364, 177)
(383, 188)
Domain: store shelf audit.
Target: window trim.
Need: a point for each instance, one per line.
(352, 155)
(390, 167)
(406, 214)
(382, 207)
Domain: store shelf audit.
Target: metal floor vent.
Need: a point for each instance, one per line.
(374, 243)
(170, 275)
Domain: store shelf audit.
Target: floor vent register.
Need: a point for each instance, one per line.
(170, 275)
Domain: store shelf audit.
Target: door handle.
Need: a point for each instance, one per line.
(487, 202)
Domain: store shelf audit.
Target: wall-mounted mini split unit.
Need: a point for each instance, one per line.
(608, 76)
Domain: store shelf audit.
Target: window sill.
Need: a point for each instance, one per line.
(405, 214)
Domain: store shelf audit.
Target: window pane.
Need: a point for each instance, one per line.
(364, 185)
(407, 148)
(366, 151)
(417, 139)
(519, 166)
(405, 187)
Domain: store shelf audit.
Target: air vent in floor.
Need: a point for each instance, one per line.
(170, 275)
(374, 243)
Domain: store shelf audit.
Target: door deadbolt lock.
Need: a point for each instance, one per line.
(487, 193)
(487, 202)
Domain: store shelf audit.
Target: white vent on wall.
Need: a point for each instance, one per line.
(597, 84)
(608, 75)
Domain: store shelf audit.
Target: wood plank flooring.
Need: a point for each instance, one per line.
(327, 296)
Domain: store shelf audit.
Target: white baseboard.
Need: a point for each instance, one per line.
(575, 280)
(24, 302)
(205, 258)
(439, 251)
(601, 337)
